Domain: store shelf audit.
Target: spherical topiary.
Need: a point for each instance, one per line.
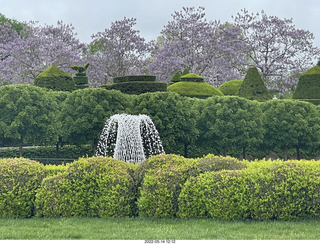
(253, 87)
(95, 187)
(231, 87)
(194, 89)
(309, 85)
(55, 79)
(19, 180)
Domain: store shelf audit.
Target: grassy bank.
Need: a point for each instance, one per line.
(155, 229)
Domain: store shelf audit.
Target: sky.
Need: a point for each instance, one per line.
(93, 16)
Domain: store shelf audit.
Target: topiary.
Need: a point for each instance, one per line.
(19, 181)
(95, 187)
(192, 77)
(55, 79)
(253, 87)
(231, 87)
(194, 89)
(176, 77)
(185, 71)
(308, 86)
(80, 78)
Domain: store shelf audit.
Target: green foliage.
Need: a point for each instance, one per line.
(19, 181)
(192, 77)
(28, 113)
(229, 122)
(308, 86)
(173, 116)
(185, 71)
(52, 169)
(16, 25)
(264, 190)
(137, 87)
(194, 89)
(55, 79)
(85, 112)
(253, 87)
(93, 187)
(162, 177)
(220, 195)
(231, 87)
(176, 77)
(217, 163)
(134, 78)
(290, 124)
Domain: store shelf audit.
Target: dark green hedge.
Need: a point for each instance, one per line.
(134, 78)
(308, 85)
(55, 79)
(137, 87)
(80, 80)
(253, 87)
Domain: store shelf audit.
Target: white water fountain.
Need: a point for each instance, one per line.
(130, 138)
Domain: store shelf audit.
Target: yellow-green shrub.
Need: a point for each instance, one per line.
(19, 180)
(277, 190)
(94, 186)
(160, 178)
(52, 169)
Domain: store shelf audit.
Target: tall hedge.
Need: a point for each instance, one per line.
(56, 79)
(253, 87)
(308, 86)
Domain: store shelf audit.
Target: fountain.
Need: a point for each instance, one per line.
(130, 138)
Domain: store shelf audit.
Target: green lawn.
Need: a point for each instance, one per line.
(155, 229)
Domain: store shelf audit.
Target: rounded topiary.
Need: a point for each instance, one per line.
(19, 180)
(231, 87)
(194, 89)
(192, 77)
(309, 85)
(55, 79)
(253, 87)
(95, 187)
(176, 77)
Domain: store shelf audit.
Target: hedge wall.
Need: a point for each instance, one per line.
(133, 78)
(137, 87)
(194, 89)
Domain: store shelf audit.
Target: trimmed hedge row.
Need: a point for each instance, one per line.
(162, 186)
(137, 87)
(132, 78)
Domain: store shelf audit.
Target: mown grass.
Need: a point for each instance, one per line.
(155, 229)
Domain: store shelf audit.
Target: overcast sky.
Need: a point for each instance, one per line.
(92, 16)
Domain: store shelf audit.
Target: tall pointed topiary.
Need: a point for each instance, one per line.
(253, 87)
(308, 87)
(55, 79)
(176, 77)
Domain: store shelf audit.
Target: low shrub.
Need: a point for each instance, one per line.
(264, 190)
(52, 169)
(93, 187)
(20, 178)
(133, 78)
(160, 179)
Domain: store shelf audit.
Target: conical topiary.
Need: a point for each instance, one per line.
(185, 71)
(308, 85)
(54, 78)
(176, 77)
(253, 87)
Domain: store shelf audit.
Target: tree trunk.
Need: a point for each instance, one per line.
(244, 153)
(186, 150)
(285, 153)
(224, 151)
(20, 147)
(298, 153)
